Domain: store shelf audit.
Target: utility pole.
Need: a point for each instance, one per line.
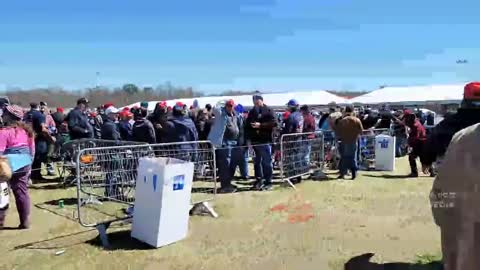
(97, 80)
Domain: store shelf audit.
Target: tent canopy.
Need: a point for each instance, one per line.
(273, 100)
(413, 95)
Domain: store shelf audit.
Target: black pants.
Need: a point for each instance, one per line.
(412, 157)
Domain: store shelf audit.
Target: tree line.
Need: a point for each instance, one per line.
(127, 94)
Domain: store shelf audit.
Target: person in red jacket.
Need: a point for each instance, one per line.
(417, 137)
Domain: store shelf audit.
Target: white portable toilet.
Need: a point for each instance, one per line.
(384, 153)
(162, 200)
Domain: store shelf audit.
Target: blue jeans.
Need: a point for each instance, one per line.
(400, 142)
(240, 160)
(263, 163)
(224, 160)
(348, 158)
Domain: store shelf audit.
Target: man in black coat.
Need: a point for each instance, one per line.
(441, 135)
(259, 127)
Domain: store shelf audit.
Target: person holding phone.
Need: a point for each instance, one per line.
(259, 127)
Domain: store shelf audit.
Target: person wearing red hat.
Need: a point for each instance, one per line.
(17, 138)
(454, 196)
(125, 125)
(227, 135)
(440, 136)
(180, 128)
(107, 105)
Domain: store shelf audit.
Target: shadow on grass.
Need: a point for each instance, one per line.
(362, 262)
(44, 244)
(66, 201)
(388, 176)
(120, 240)
(48, 187)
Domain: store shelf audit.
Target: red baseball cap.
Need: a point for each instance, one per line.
(162, 104)
(60, 109)
(230, 102)
(107, 105)
(471, 91)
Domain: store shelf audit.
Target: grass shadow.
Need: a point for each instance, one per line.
(48, 187)
(362, 262)
(49, 180)
(388, 176)
(44, 244)
(66, 201)
(120, 240)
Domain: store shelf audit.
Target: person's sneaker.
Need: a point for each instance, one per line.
(267, 187)
(257, 186)
(341, 177)
(433, 174)
(354, 175)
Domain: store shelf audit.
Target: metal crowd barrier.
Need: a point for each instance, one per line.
(106, 178)
(300, 154)
(69, 152)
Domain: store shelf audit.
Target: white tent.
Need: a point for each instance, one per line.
(442, 94)
(273, 100)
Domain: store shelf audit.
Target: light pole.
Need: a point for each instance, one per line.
(97, 79)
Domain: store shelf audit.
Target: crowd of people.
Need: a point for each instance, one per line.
(231, 128)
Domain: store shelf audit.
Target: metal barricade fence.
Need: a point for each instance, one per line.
(300, 153)
(366, 157)
(69, 152)
(106, 177)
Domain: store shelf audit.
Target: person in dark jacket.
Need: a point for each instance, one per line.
(201, 124)
(159, 119)
(38, 122)
(143, 130)
(125, 127)
(180, 128)
(110, 128)
(386, 118)
(294, 123)
(294, 143)
(259, 127)
(440, 136)
(242, 151)
(59, 117)
(400, 134)
(96, 121)
(78, 123)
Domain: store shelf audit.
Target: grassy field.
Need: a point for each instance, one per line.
(319, 226)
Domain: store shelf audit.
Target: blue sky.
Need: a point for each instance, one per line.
(212, 45)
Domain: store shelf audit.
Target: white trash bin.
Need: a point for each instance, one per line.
(162, 200)
(384, 153)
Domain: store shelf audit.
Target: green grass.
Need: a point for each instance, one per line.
(387, 216)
